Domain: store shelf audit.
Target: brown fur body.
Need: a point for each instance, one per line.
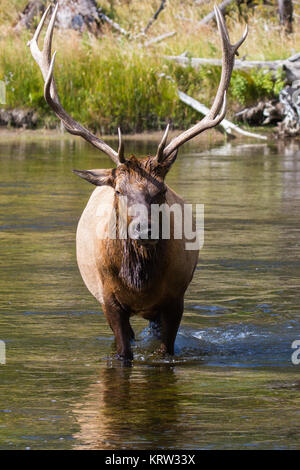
(130, 278)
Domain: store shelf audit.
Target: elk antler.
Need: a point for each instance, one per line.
(218, 109)
(46, 64)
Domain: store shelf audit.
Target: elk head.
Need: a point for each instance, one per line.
(141, 181)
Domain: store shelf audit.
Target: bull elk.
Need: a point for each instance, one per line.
(137, 275)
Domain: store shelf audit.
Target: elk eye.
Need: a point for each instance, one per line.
(118, 193)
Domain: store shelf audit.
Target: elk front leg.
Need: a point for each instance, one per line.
(118, 319)
(170, 318)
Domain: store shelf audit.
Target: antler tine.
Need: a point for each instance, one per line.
(218, 109)
(214, 122)
(51, 96)
(240, 42)
(221, 24)
(46, 64)
(161, 147)
(121, 147)
(40, 26)
(227, 63)
(49, 35)
(33, 43)
(223, 27)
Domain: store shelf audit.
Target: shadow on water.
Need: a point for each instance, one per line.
(231, 383)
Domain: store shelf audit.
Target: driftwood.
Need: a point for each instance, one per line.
(284, 112)
(228, 126)
(289, 98)
(291, 65)
(265, 112)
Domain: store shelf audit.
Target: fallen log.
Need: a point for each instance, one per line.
(239, 64)
(227, 126)
(291, 65)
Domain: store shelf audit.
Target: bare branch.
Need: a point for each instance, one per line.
(211, 15)
(160, 38)
(155, 16)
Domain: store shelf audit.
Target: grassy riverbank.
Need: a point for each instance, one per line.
(111, 80)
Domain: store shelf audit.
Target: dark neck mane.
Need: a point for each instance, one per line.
(136, 264)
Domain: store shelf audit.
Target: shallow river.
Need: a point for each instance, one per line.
(231, 384)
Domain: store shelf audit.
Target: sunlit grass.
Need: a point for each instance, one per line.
(111, 80)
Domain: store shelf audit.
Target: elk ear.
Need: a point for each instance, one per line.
(166, 164)
(96, 177)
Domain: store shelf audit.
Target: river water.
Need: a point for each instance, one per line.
(232, 383)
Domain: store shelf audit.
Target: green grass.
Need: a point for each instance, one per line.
(110, 81)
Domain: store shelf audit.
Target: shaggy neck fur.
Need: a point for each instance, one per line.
(139, 263)
(135, 264)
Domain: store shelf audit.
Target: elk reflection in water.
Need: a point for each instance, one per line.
(127, 407)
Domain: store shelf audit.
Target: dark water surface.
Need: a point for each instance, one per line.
(231, 383)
